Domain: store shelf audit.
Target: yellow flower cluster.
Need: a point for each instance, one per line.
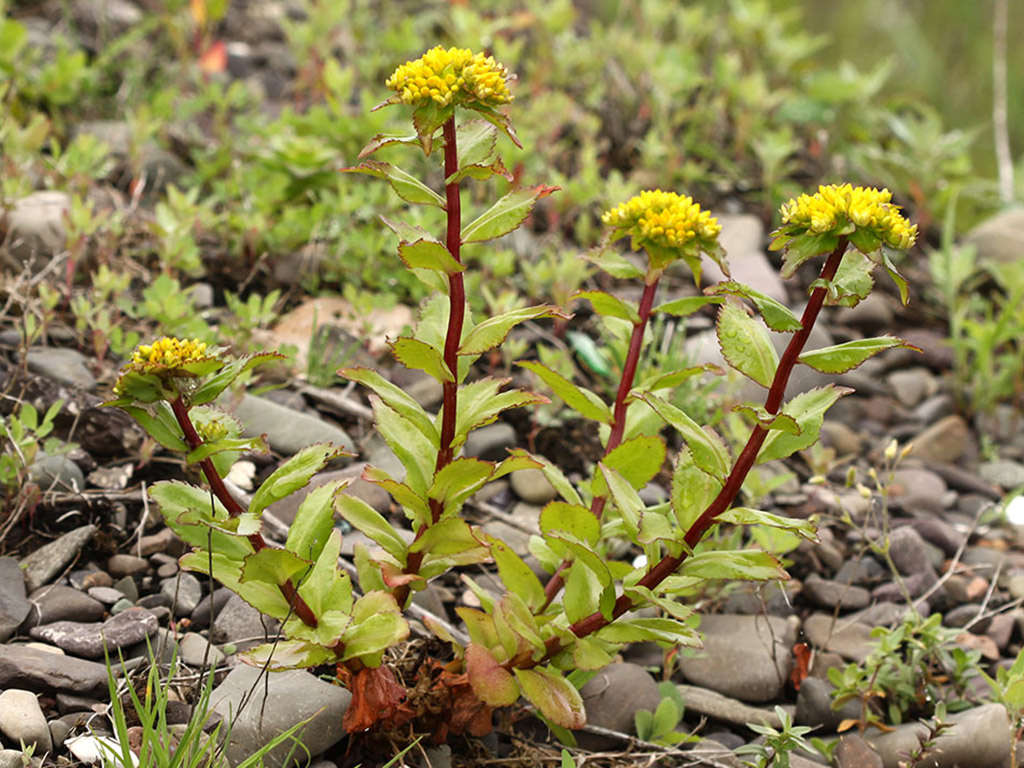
(169, 352)
(663, 219)
(835, 207)
(454, 74)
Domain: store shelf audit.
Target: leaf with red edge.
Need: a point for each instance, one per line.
(506, 214)
(492, 683)
(555, 697)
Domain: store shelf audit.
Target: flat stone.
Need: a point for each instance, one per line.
(729, 710)
(742, 237)
(939, 533)
(491, 442)
(744, 657)
(850, 639)
(22, 720)
(1000, 238)
(126, 565)
(196, 651)
(184, 591)
(874, 313)
(47, 671)
(979, 738)
(917, 490)
(105, 595)
(57, 472)
(830, 594)
(526, 517)
(944, 441)
(57, 602)
(50, 559)
(36, 230)
(11, 758)
(614, 695)
(854, 752)
(532, 486)
(66, 366)
(90, 640)
(200, 618)
(288, 431)
(814, 705)
(14, 606)
(908, 551)
(277, 701)
(240, 624)
(1006, 474)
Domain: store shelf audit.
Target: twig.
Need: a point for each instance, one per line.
(340, 401)
(1001, 133)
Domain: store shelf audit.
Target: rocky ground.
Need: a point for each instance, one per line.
(91, 562)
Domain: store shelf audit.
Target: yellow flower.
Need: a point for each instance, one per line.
(453, 75)
(663, 219)
(169, 352)
(842, 209)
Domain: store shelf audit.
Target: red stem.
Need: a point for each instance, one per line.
(669, 564)
(453, 337)
(557, 580)
(235, 509)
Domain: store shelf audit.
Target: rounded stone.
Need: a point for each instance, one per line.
(614, 695)
(532, 486)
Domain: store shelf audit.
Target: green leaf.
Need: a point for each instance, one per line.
(769, 420)
(492, 683)
(625, 498)
(273, 566)
(514, 621)
(558, 516)
(326, 589)
(368, 520)
(583, 591)
(368, 638)
(396, 398)
(236, 444)
(192, 512)
(384, 139)
(655, 525)
(478, 157)
(555, 476)
(615, 264)
(449, 536)
(844, 357)
(292, 475)
(263, 596)
(777, 316)
(672, 379)
(555, 697)
(492, 331)
(499, 119)
(590, 653)
(428, 254)
(427, 118)
(413, 353)
(314, 521)
(417, 454)
(746, 516)
(408, 187)
(583, 401)
(161, 425)
(480, 628)
(480, 403)
(593, 356)
(693, 490)
(808, 409)
(896, 277)
(748, 564)
(746, 346)
(608, 305)
(288, 654)
(516, 575)
(658, 630)
(852, 282)
(804, 247)
(708, 451)
(505, 215)
(415, 504)
(673, 608)
(687, 305)
(638, 460)
(458, 480)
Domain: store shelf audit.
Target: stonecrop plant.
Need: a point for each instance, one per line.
(539, 639)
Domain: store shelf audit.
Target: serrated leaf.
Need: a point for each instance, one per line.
(313, 521)
(611, 306)
(263, 596)
(693, 490)
(589, 653)
(292, 475)
(326, 589)
(413, 353)
(396, 398)
(427, 118)
(499, 119)
(745, 345)
(554, 475)
(803, 247)
(416, 505)
(492, 683)
(274, 566)
(638, 460)
(516, 575)
(480, 628)
(625, 498)
(505, 215)
(428, 254)
(808, 409)
(768, 420)
(582, 593)
(777, 316)
(687, 305)
(165, 431)
(615, 264)
(748, 564)
(372, 636)
(673, 608)
(408, 187)
(449, 536)
(192, 513)
(288, 654)
(747, 516)
(555, 697)
(896, 277)
(840, 358)
(491, 332)
(659, 630)
(384, 139)
(672, 379)
(583, 401)
(708, 451)
(516, 624)
(368, 520)
(480, 403)
(458, 480)
(852, 282)
(558, 516)
(234, 444)
(655, 525)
